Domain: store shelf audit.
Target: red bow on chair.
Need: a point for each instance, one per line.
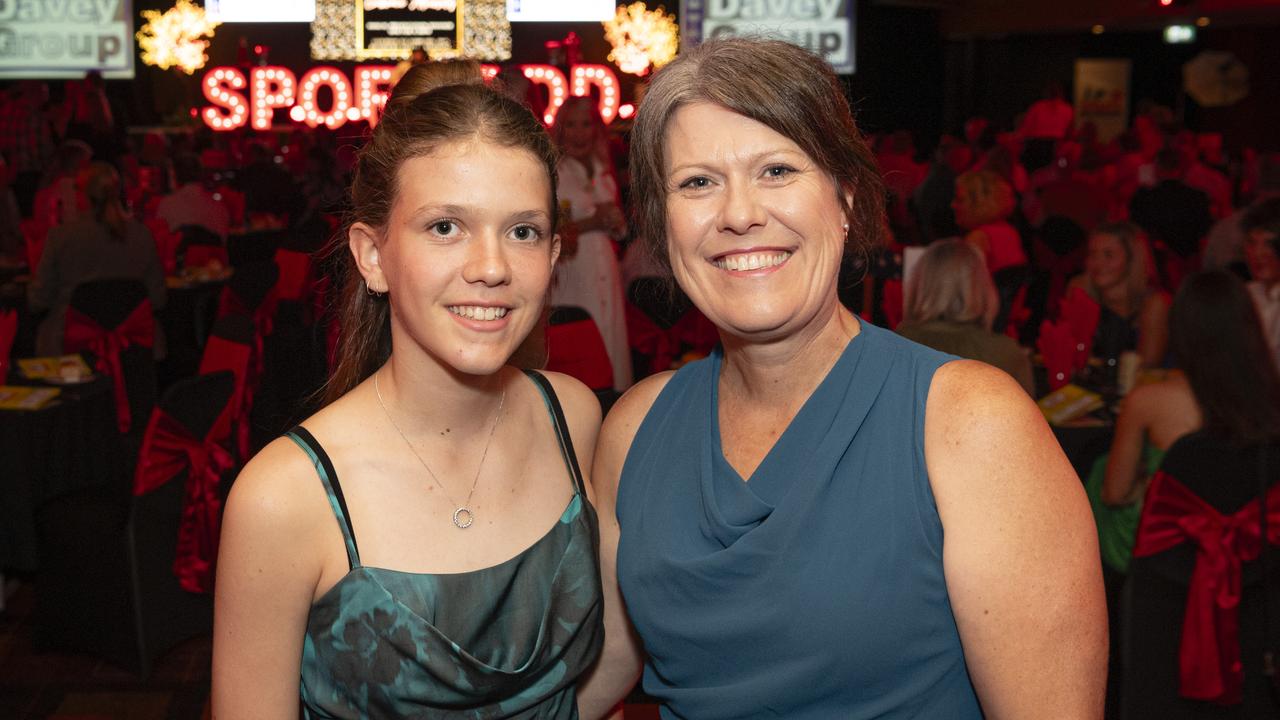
(82, 332)
(168, 448)
(263, 324)
(1209, 657)
(644, 335)
(222, 354)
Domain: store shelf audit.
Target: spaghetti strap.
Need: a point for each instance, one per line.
(562, 428)
(324, 468)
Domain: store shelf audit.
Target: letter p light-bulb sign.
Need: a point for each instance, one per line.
(273, 88)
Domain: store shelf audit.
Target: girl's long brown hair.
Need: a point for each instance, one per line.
(413, 127)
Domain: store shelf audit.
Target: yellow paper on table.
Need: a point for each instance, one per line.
(39, 368)
(1068, 403)
(18, 397)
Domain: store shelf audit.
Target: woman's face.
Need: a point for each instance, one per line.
(754, 226)
(1106, 265)
(578, 132)
(468, 253)
(1260, 256)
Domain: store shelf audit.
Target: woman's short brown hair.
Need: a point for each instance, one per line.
(784, 87)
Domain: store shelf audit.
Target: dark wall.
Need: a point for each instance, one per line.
(900, 82)
(999, 78)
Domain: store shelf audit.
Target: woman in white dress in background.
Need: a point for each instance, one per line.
(590, 278)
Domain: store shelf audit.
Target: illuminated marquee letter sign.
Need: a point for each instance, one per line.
(390, 28)
(237, 100)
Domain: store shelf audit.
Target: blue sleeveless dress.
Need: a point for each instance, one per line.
(816, 589)
(507, 641)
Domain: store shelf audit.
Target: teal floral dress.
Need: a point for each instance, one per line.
(507, 641)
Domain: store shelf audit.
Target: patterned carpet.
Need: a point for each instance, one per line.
(44, 685)
(40, 685)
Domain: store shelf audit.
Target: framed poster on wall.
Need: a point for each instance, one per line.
(392, 28)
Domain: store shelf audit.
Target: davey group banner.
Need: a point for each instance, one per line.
(64, 38)
(823, 26)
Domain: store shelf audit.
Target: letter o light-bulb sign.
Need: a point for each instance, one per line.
(272, 88)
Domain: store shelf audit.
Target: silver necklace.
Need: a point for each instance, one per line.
(464, 516)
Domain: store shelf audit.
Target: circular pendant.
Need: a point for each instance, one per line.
(463, 517)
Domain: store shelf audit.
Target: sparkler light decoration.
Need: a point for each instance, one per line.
(641, 37)
(175, 38)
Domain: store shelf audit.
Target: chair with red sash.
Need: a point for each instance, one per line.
(294, 357)
(112, 320)
(230, 347)
(1194, 616)
(575, 347)
(251, 292)
(127, 579)
(201, 247)
(662, 326)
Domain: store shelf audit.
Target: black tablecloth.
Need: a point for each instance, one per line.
(69, 445)
(1083, 444)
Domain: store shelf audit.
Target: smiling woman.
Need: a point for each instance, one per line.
(474, 589)
(823, 519)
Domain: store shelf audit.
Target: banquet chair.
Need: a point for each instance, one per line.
(230, 347)
(294, 354)
(127, 581)
(663, 325)
(576, 348)
(1195, 598)
(113, 321)
(251, 292)
(201, 247)
(254, 246)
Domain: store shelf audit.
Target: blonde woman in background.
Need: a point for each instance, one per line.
(1135, 314)
(590, 278)
(950, 303)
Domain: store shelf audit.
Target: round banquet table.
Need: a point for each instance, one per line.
(69, 445)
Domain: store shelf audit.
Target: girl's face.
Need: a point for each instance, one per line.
(467, 253)
(754, 225)
(578, 131)
(1107, 264)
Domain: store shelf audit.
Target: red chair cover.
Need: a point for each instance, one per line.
(695, 332)
(8, 331)
(1209, 655)
(34, 232)
(1019, 314)
(1058, 349)
(167, 242)
(222, 354)
(1080, 312)
(645, 337)
(205, 255)
(263, 324)
(167, 448)
(892, 303)
(82, 332)
(294, 282)
(577, 349)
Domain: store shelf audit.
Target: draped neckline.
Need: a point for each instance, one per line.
(732, 505)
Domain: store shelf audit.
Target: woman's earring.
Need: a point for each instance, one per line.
(372, 293)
